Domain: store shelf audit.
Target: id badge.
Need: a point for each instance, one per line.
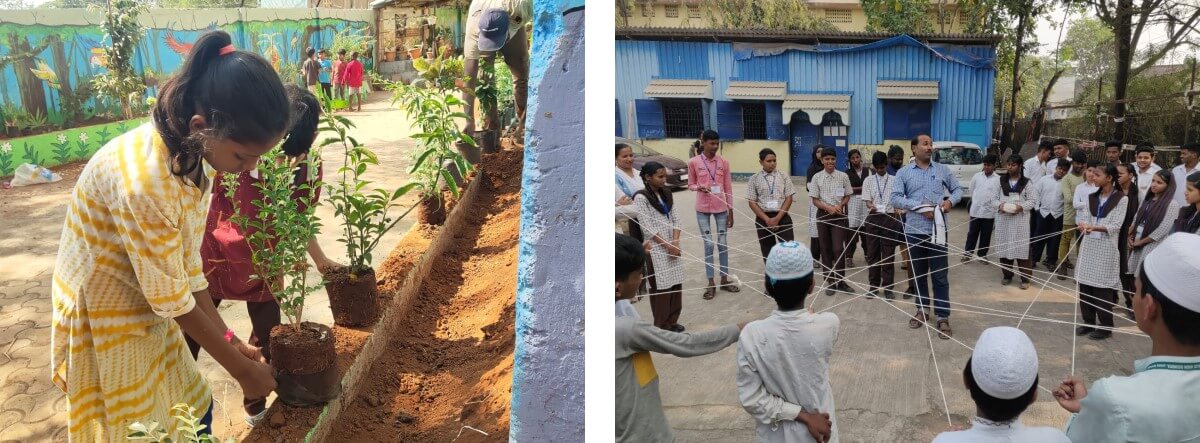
(1140, 228)
(839, 192)
(1096, 235)
(715, 189)
(771, 205)
(1013, 198)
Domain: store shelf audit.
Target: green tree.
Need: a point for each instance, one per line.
(1087, 48)
(792, 15)
(1128, 19)
(899, 16)
(123, 32)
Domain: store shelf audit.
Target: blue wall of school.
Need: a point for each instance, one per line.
(965, 91)
(548, 372)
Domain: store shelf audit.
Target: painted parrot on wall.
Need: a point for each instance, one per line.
(183, 48)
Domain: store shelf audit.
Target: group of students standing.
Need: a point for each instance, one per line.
(340, 78)
(1121, 212)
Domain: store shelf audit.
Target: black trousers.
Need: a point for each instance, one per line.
(665, 303)
(1025, 267)
(1096, 304)
(980, 234)
(832, 233)
(879, 233)
(768, 237)
(1047, 233)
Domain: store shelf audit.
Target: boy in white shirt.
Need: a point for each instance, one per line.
(1049, 215)
(1002, 376)
(983, 215)
(783, 360)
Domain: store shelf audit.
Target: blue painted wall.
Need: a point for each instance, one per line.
(965, 91)
(548, 372)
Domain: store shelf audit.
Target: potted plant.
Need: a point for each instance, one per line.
(488, 136)
(433, 113)
(366, 217)
(302, 353)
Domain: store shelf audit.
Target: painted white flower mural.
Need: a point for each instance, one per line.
(6, 148)
(83, 137)
(62, 137)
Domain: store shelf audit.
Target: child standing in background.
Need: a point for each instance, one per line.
(353, 78)
(1014, 201)
(339, 70)
(983, 216)
(326, 70)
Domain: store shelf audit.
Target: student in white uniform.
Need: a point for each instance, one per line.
(639, 413)
(1013, 202)
(1039, 165)
(983, 216)
(1049, 216)
(1158, 402)
(1189, 163)
(1002, 376)
(1099, 268)
(1146, 168)
(1154, 220)
(783, 360)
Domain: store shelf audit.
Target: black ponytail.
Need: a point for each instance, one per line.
(239, 95)
(306, 114)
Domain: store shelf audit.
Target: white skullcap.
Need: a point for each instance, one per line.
(789, 260)
(1004, 362)
(1174, 268)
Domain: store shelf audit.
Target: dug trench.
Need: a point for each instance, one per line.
(450, 364)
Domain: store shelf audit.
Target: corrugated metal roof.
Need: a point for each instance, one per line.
(774, 35)
(756, 90)
(816, 105)
(907, 90)
(668, 88)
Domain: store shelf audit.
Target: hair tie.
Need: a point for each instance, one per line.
(228, 49)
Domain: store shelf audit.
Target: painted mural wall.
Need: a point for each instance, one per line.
(48, 58)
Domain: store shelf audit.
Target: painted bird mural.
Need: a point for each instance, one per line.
(182, 48)
(48, 75)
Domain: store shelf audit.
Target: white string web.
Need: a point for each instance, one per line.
(742, 252)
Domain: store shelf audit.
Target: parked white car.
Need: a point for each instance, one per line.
(963, 159)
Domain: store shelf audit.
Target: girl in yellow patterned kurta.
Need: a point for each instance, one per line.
(128, 280)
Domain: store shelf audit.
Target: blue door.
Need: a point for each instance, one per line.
(973, 131)
(833, 134)
(804, 137)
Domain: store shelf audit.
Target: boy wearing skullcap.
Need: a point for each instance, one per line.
(783, 360)
(639, 415)
(1002, 376)
(1158, 403)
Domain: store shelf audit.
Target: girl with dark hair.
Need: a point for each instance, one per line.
(1154, 219)
(629, 182)
(129, 279)
(1189, 217)
(1099, 265)
(1127, 184)
(1014, 200)
(813, 168)
(226, 253)
(857, 211)
(660, 225)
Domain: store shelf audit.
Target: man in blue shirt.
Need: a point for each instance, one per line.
(920, 190)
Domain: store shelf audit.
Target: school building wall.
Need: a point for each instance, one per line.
(48, 57)
(964, 92)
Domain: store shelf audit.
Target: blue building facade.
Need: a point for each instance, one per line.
(790, 92)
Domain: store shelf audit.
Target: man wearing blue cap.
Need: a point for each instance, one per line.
(497, 26)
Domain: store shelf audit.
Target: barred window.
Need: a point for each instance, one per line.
(683, 118)
(754, 121)
(837, 15)
(693, 11)
(672, 11)
(647, 9)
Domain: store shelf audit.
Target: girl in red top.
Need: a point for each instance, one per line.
(225, 252)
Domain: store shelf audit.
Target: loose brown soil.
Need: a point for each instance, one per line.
(353, 300)
(305, 350)
(431, 212)
(403, 258)
(450, 365)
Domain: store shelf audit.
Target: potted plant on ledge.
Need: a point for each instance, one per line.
(366, 216)
(301, 352)
(433, 113)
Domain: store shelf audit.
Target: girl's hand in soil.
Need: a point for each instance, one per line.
(257, 379)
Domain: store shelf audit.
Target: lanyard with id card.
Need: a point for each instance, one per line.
(713, 188)
(1100, 217)
(771, 204)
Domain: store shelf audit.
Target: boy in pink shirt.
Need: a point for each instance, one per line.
(353, 77)
(708, 174)
(339, 68)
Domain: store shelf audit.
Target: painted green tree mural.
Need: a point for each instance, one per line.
(124, 33)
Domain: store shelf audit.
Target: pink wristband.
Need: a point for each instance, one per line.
(229, 335)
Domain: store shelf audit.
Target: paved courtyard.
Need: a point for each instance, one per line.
(888, 384)
(31, 407)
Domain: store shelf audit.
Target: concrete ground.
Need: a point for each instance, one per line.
(31, 407)
(885, 381)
